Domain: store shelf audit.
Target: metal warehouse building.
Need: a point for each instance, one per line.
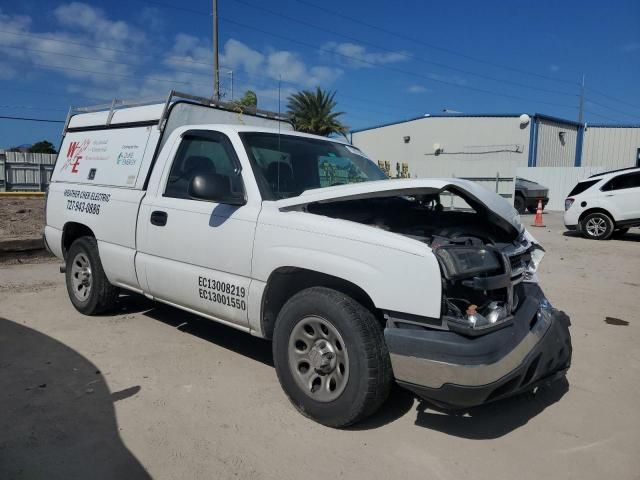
(495, 148)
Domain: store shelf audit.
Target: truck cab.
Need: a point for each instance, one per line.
(357, 279)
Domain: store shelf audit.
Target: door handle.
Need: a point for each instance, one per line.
(159, 218)
(609, 195)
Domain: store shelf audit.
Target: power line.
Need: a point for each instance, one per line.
(31, 119)
(405, 55)
(631, 115)
(399, 35)
(600, 115)
(70, 42)
(597, 92)
(386, 67)
(31, 107)
(248, 75)
(430, 45)
(111, 74)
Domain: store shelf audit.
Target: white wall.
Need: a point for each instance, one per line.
(613, 147)
(554, 151)
(559, 181)
(478, 147)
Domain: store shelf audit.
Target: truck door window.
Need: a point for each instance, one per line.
(197, 156)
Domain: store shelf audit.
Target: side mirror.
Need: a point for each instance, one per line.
(214, 188)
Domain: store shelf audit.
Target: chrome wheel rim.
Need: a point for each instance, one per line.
(596, 226)
(318, 359)
(81, 278)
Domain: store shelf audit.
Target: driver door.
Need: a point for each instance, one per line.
(196, 253)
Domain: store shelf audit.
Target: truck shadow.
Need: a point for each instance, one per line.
(399, 403)
(226, 337)
(58, 419)
(493, 420)
(488, 421)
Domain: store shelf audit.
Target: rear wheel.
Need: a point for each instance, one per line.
(330, 357)
(596, 226)
(89, 290)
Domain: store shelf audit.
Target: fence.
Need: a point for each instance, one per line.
(25, 172)
(559, 180)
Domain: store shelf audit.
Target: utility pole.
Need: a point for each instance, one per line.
(216, 70)
(581, 109)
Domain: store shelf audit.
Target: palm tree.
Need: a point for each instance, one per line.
(313, 113)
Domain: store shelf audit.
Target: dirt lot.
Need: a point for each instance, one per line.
(151, 392)
(21, 217)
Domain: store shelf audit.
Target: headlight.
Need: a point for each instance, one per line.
(460, 261)
(567, 203)
(474, 322)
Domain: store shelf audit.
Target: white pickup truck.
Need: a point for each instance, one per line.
(359, 280)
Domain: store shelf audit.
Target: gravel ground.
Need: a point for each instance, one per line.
(152, 392)
(21, 217)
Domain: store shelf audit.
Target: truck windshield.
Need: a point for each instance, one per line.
(287, 165)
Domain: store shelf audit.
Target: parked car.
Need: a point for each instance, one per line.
(604, 204)
(357, 279)
(527, 195)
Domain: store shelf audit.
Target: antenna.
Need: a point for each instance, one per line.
(216, 69)
(279, 150)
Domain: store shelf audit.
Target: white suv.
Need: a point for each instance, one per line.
(604, 204)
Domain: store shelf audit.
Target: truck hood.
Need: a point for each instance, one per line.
(497, 209)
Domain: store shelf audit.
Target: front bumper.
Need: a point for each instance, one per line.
(459, 371)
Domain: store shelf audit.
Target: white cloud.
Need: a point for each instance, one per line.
(193, 54)
(357, 56)
(151, 18)
(83, 45)
(103, 57)
(417, 89)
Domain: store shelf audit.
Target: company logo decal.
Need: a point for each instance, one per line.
(75, 154)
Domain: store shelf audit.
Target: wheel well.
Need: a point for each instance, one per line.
(285, 282)
(595, 210)
(71, 232)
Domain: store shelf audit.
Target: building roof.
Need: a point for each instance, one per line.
(540, 116)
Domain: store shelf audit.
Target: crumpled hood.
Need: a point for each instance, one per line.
(497, 208)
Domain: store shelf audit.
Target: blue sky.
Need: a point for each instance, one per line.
(386, 60)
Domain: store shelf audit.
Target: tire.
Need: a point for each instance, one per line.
(519, 204)
(89, 290)
(347, 347)
(596, 226)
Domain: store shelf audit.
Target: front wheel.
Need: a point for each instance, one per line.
(89, 290)
(519, 204)
(597, 226)
(330, 357)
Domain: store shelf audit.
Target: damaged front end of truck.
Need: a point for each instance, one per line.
(497, 335)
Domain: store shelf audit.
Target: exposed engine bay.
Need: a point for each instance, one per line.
(482, 258)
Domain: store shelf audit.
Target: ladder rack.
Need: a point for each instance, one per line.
(174, 96)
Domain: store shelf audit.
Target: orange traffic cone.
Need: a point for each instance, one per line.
(538, 221)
